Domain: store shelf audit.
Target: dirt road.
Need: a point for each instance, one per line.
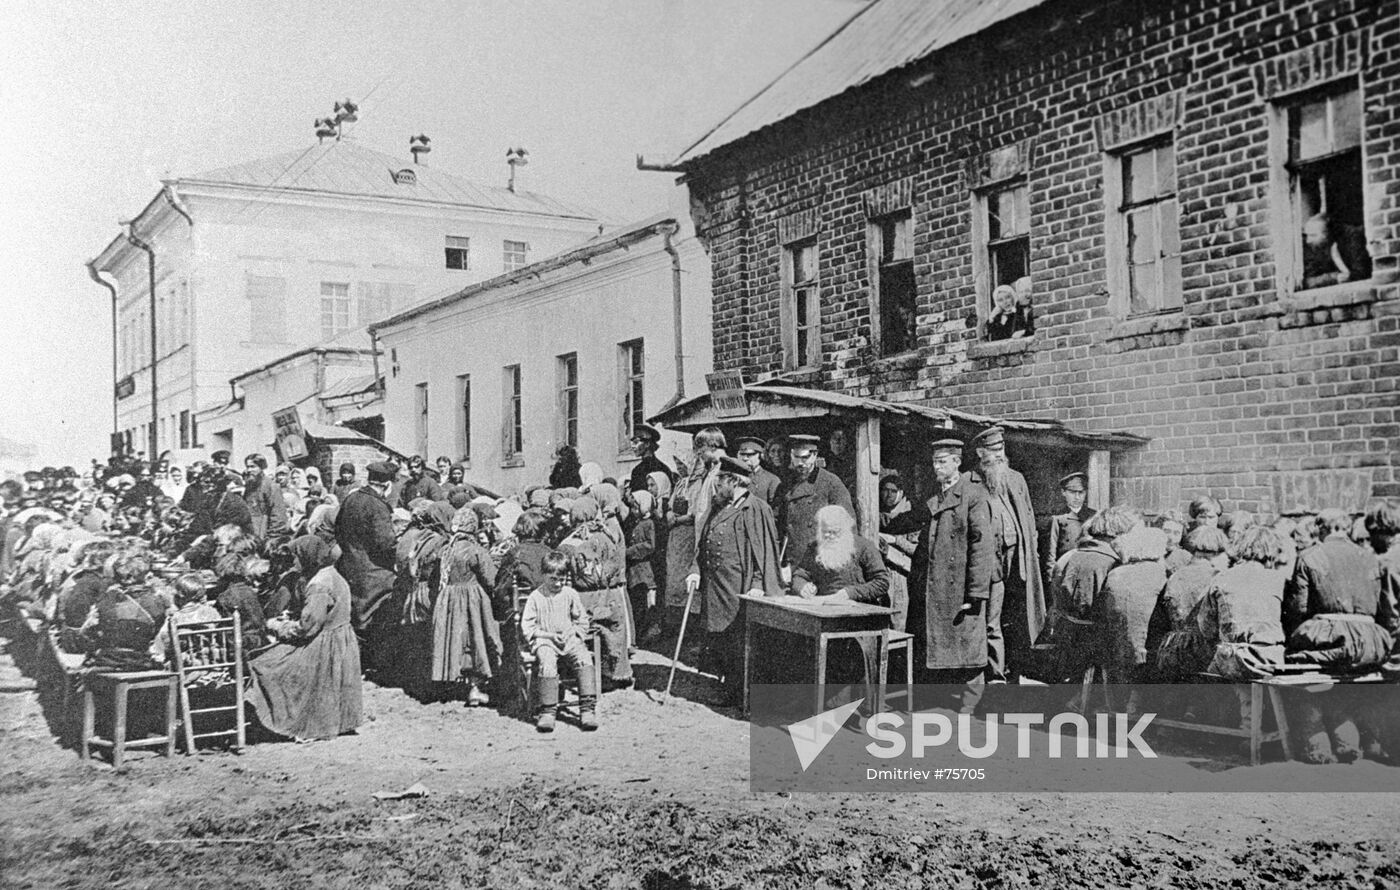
(658, 798)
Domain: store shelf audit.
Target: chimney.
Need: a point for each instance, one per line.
(515, 157)
(418, 145)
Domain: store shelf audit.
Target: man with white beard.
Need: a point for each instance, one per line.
(1016, 609)
(841, 565)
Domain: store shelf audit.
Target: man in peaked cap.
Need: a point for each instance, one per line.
(1016, 610)
(737, 554)
(1066, 528)
(808, 488)
(763, 484)
(364, 529)
(645, 440)
(951, 579)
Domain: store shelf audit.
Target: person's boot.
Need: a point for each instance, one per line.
(587, 700)
(1346, 742)
(549, 704)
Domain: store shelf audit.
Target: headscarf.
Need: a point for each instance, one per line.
(663, 484)
(591, 474)
(41, 538)
(436, 516)
(465, 522)
(643, 501)
(585, 509)
(312, 554)
(175, 490)
(540, 498)
(506, 514)
(322, 521)
(459, 497)
(608, 497)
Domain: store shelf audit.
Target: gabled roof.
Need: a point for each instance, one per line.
(882, 36)
(344, 167)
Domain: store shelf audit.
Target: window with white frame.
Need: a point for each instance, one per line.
(513, 426)
(802, 337)
(514, 255)
(631, 360)
(1326, 186)
(892, 243)
(1145, 228)
(458, 250)
(1008, 233)
(567, 373)
(464, 417)
(335, 309)
(421, 406)
(267, 308)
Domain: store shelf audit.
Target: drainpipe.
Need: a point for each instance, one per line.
(667, 233)
(320, 381)
(374, 354)
(174, 201)
(155, 359)
(92, 273)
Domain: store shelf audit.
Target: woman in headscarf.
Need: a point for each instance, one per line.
(597, 565)
(126, 619)
(174, 485)
(308, 685)
(416, 585)
(321, 522)
(659, 487)
(466, 639)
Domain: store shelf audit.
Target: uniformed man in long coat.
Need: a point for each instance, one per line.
(953, 566)
(762, 484)
(645, 440)
(364, 529)
(1068, 527)
(1016, 610)
(807, 490)
(737, 554)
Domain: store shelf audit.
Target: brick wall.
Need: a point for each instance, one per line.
(1256, 392)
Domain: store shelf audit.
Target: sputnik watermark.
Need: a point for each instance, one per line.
(1110, 736)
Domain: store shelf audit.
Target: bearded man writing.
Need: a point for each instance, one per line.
(841, 565)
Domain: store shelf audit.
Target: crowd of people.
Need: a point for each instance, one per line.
(414, 577)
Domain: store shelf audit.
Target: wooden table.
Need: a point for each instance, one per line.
(817, 620)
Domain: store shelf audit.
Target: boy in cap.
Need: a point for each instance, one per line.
(1066, 528)
(645, 440)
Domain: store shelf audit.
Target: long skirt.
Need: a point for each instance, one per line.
(309, 690)
(608, 609)
(680, 556)
(466, 637)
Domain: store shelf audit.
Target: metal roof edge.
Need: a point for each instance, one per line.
(622, 240)
(292, 356)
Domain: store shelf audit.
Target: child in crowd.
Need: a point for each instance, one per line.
(554, 623)
(191, 607)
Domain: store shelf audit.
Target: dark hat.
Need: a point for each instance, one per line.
(220, 456)
(733, 467)
(749, 440)
(802, 440)
(646, 431)
(1082, 477)
(989, 438)
(382, 471)
(347, 466)
(947, 445)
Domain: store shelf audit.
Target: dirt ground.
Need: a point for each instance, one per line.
(658, 798)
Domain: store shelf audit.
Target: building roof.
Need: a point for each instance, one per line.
(344, 167)
(292, 356)
(779, 402)
(882, 36)
(607, 242)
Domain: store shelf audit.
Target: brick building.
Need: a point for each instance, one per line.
(1151, 167)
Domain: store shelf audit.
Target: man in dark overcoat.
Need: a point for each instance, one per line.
(737, 554)
(364, 529)
(762, 484)
(645, 441)
(953, 566)
(808, 488)
(1016, 610)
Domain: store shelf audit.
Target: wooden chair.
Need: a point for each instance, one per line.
(121, 684)
(566, 683)
(208, 655)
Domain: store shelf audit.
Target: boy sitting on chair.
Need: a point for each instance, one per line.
(553, 624)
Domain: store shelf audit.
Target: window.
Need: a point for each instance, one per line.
(802, 339)
(1008, 229)
(335, 309)
(568, 399)
(892, 245)
(513, 429)
(185, 430)
(514, 255)
(421, 400)
(458, 252)
(267, 308)
(1324, 167)
(464, 420)
(1144, 237)
(632, 374)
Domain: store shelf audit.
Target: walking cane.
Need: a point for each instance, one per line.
(680, 638)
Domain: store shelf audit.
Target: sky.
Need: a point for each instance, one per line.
(103, 99)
